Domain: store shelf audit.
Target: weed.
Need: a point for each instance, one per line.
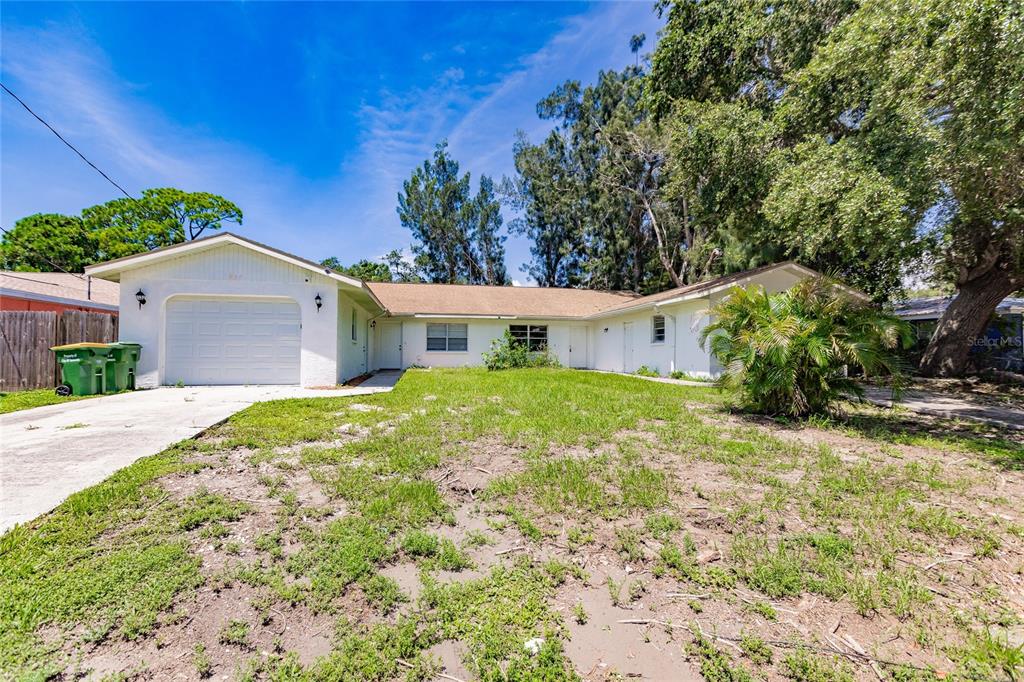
(201, 661)
(382, 592)
(235, 632)
(627, 544)
(579, 613)
(803, 666)
(661, 525)
(714, 665)
(756, 649)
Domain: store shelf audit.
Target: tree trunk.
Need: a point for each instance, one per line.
(965, 319)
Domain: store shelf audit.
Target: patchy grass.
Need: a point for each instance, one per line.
(14, 401)
(508, 525)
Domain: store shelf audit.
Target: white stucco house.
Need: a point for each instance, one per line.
(227, 310)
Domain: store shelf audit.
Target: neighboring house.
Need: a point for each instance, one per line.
(1001, 347)
(227, 310)
(57, 292)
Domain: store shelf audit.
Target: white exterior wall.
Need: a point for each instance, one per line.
(679, 351)
(481, 333)
(353, 354)
(230, 271)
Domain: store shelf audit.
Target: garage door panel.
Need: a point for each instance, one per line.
(232, 341)
(209, 329)
(234, 307)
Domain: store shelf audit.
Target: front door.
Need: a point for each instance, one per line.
(627, 348)
(391, 345)
(578, 347)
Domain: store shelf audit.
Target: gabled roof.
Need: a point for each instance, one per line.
(60, 287)
(462, 300)
(469, 300)
(112, 269)
(711, 286)
(465, 300)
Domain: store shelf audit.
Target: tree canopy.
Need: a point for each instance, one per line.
(456, 235)
(47, 242)
(121, 227)
(366, 270)
(870, 140)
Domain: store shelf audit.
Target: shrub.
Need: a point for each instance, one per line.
(646, 371)
(507, 353)
(790, 353)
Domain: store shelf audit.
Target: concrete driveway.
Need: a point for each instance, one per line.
(48, 453)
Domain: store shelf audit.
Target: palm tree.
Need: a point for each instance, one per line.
(791, 353)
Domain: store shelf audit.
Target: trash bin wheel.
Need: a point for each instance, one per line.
(63, 390)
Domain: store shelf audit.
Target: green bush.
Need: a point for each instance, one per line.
(646, 371)
(791, 353)
(507, 353)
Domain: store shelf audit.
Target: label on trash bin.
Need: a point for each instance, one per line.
(66, 359)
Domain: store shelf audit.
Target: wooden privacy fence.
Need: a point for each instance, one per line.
(26, 360)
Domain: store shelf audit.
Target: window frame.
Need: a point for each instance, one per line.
(654, 329)
(528, 334)
(448, 337)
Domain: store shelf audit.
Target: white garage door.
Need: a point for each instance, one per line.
(232, 341)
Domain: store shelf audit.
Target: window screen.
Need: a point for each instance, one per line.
(447, 337)
(658, 329)
(533, 336)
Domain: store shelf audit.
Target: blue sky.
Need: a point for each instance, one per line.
(309, 116)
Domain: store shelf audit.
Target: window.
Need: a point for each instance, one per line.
(447, 337)
(533, 336)
(353, 324)
(658, 329)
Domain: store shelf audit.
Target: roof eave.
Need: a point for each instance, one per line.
(112, 269)
(62, 300)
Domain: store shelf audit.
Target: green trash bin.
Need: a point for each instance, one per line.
(83, 368)
(120, 370)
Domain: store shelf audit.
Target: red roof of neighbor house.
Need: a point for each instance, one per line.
(60, 285)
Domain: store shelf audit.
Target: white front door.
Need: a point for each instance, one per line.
(627, 348)
(578, 347)
(216, 340)
(391, 345)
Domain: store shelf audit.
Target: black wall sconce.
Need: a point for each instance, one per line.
(319, 302)
(605, 330)
(140, 296)
(373, 324)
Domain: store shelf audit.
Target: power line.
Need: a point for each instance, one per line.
(61, 138)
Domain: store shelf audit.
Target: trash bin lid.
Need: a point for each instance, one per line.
(86, 344)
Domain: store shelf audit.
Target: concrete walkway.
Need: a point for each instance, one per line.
(50, 452)
(949, 407)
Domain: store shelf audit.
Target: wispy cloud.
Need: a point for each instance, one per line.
(71, 81)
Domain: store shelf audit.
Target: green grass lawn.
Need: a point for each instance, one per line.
(504, 525)
(26, 400)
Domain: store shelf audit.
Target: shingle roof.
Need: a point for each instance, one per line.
(62, 285)
(403, 298)
(699, 287)
(540, 302)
